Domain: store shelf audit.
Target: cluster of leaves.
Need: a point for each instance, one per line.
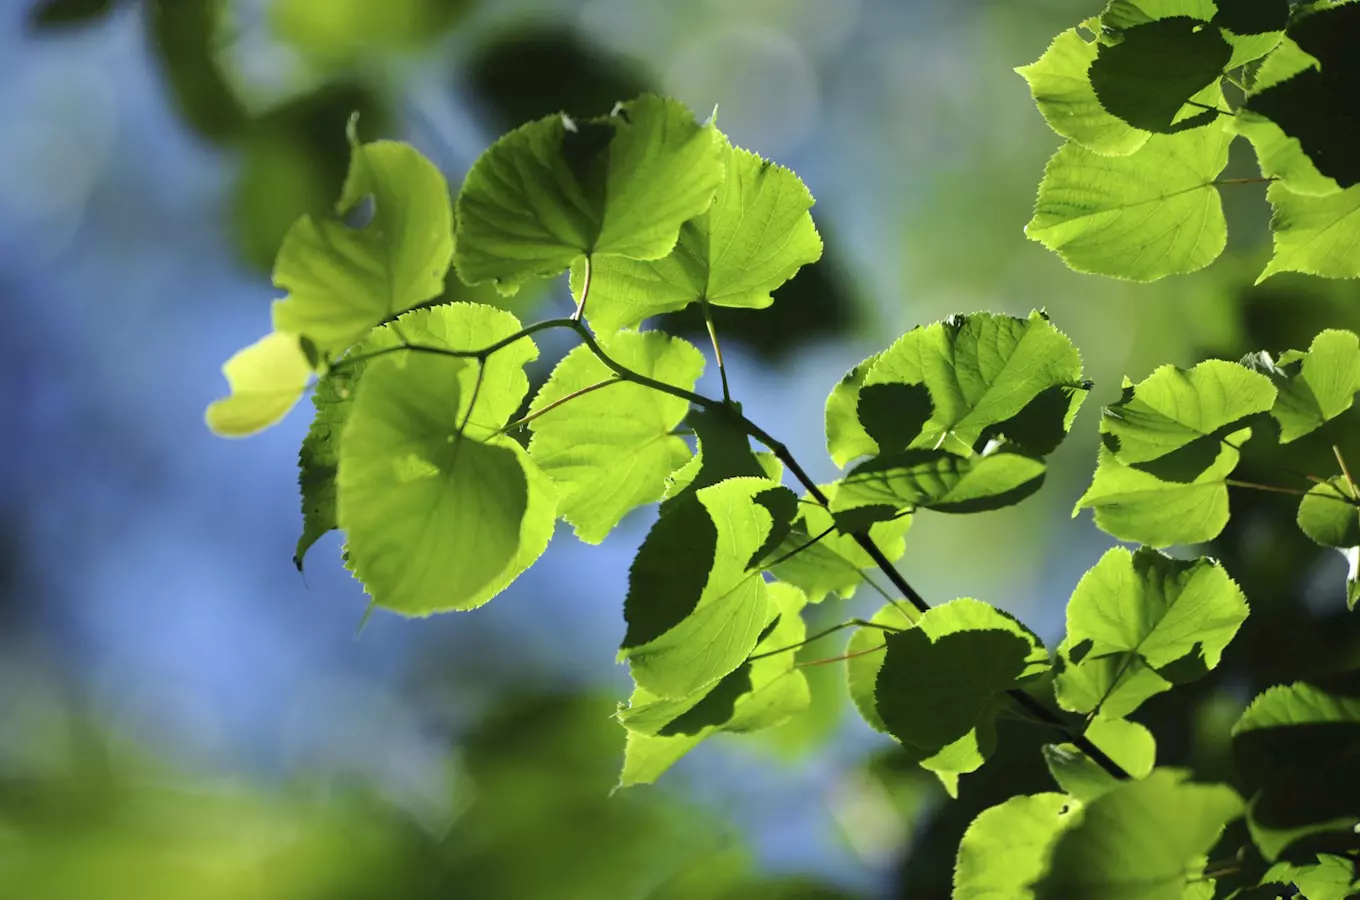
(1151, 94)
(447, 483)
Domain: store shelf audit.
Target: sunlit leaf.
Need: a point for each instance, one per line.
(1144, 839)
(1005, 848)
(267, 380)
(1314, 386)
(611, 450)
(757, 234)
(1174, 407)
(1129, 744)
(434, 518)
(1315, 235)
(1133, 504)
(940, 481)
(1331, 877)
(558, 189)
(1061, 86)
(1329, 514)
(1142, 217)
(983, 375)
(760, 694)
(1172, 616)
(1281, 156)
(342, 281)
(697, 601)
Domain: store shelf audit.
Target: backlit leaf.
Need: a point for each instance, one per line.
(267, 380)
(1134, 505)
(342, 281)
(1314, 387)
(1142, 217)
(940, 481)
(696, 605)
(1129, 744)
(611, 450)
(558, 189)
(1155, 68)
(1061, 86)
(1315, 235)
(1174, 407)
(757, 234)
(1005, 848)
(982, 373)
(1172, 616)
(1144, 839)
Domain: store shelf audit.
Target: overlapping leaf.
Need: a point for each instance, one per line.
(267, 380)
(697, 601)
(1142, 217)
(435, 519)
(1129, 744)
(1295, 746)
(937, 686)
(1144, 839)
(342, 281)
(1061, 86)
(1175, 407)
(1315, 235)
(464, 327)
(1330, 514)
(1133, 504)
(951, 384)
(908, 480)
(611, 450)
(820, 559)
(1006, 847)
(757, 234)
(1314, 387)
(1150, 74)
(1143, 610)
(555, 190)
(761, 693)
(1328, 877)
(1281, 156)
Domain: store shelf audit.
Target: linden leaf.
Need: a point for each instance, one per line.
(267, 380)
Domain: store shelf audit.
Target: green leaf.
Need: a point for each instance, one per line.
(345, 33)
(555, 190)
(1296, 746)
(1328, 514)
(319, 458)
(1140, 217)
(696, 605)
(457, 326)
(1281, 156)
(1331, 877)
(866, 655)
(983, 374)
(771, 690)
(723, 452)
(940, 679)
(1134, 505)
(834, 563)
(1129, 744)
(1005, 848)
(757, 234)
(1172, 616)
(846, 438)
(611, 450)
(342, 281)
(1314, 387)
(934, 479)
(1314, 235)
(1143, 839)
(1156, 67)
(436, 520)
(1174, 407)
(1061, 87)
(267, 380)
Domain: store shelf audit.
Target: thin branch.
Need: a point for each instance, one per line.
(476, 392)
(480, 354)
(717, 348)
(810, 542)
(1271, 488)
(1221, 181)
(585, 292)
(590, 388)
(1221, 112)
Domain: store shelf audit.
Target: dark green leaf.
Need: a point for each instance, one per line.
(1147, 78)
